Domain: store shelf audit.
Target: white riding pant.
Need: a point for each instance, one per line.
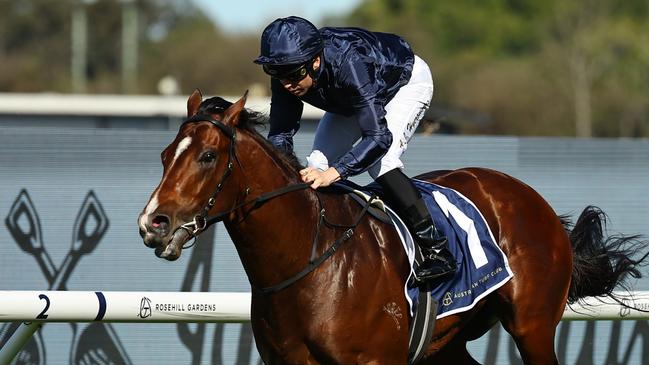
(336, 134)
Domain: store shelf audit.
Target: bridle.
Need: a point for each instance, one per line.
(202, 220)
(199, 224)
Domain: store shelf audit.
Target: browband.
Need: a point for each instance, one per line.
(229, 131)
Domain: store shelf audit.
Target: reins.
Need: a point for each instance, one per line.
(315, 262)
(202, 221)
(257, 202)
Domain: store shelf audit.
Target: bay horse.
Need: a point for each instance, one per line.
(347, 306)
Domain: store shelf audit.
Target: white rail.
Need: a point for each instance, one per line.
(115, 306)
(36, 307)
(88, 306)
(607, 309)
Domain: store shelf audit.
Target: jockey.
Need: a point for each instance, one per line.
(374, 91)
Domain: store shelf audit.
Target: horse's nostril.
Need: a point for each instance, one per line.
(160, 224)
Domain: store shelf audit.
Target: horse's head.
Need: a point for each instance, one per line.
(197, 167)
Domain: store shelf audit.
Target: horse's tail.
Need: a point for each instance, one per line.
(600, 264)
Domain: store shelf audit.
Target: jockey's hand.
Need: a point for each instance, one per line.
(319, 178)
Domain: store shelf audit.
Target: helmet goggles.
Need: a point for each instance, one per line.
(290, 73)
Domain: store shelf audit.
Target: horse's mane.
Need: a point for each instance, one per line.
(250, 121)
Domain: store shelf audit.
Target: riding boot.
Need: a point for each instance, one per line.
(404, 197)
(438, 261)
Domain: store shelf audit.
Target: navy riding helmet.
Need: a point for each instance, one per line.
(287, 42)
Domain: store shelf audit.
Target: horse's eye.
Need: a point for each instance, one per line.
(207, 157)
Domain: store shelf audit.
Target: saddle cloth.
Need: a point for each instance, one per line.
(482, 266)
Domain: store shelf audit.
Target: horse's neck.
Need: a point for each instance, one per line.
(273, 240)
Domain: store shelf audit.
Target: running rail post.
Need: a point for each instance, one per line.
(17, 340)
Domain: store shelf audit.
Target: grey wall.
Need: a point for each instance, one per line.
(57, 168)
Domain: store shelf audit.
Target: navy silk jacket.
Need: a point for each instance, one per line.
(360, 72)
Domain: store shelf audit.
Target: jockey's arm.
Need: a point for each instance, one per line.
(376, 138)
(375, 141)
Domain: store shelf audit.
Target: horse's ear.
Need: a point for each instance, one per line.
(194, 102)
(231, 115)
